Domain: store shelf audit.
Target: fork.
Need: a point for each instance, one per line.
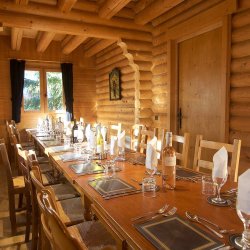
(171, 212)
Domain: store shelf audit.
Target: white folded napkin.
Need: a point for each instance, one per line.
(113, 145)
(104, 133)
(92, 139)
(87, 132)
(243, 199)
(121, 139)
(151, 154)
(220, 159)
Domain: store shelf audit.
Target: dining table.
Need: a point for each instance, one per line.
(118, 212)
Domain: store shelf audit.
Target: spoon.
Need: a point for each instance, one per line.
(160, 211)
(195, 218)
(221, 230)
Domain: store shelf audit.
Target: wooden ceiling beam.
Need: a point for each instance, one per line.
(74, 15)
(111, 7)
(155, 9)
(66, 5)
(12, 19)
(16, 38)
(44, 41)
(98, 47)
(73, 43)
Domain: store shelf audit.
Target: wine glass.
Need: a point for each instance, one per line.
(219, 182)
(80, 136)
(243, 241)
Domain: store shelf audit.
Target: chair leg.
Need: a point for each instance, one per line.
(35, 227)
(20, 201)
(12, 214)
(28, 217)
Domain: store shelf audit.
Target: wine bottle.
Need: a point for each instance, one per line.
(60, 127)
(168, 164)
(74, 132)
(99, 142)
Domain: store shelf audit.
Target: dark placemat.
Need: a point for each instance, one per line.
(111, 186)
(61, 149)
(176, 234)
(135, 159)
(52, 143)
(184, 173)
(86, 168)
(228, 202)
(71, 157)
(47, 139)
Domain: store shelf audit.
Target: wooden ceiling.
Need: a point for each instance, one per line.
(94, 23)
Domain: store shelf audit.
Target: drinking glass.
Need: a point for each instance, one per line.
(244, 241)
(149, 187)
(112, 156)
(219, 182)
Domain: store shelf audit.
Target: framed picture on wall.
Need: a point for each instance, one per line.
(115, 84)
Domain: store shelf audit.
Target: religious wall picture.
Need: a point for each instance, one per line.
(114, 85)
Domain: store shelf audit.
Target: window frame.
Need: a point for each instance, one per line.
(43, 91)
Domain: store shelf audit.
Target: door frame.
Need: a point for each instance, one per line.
(172, 43)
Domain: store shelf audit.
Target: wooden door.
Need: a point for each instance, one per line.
(200, 87)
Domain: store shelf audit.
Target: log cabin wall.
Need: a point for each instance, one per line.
(240, 81)
(133, 58)
(239, 101)
(83, 73)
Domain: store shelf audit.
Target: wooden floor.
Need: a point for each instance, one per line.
(7, 241)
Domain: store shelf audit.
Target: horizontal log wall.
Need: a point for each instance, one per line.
(240, 82)
(113, 112)
(239, 113)
(83, 72)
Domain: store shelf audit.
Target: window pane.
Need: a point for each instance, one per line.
(31, 90)
(54, 90)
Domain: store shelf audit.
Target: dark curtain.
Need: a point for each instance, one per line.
(17, 81)
(67, 77)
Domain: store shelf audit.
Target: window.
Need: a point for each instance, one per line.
(43, 91)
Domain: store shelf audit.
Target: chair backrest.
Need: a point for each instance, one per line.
(61, 238)
(234, 149)
(14, 131)
(44, 220)
(181, 145)
(36, 178)
(114, 130)
(6, 164)
(143, 137)
(135, 131)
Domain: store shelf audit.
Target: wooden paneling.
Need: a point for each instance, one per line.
(84, 79)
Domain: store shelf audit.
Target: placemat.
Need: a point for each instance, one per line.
(176, 234)
(111, 186)
(71, 157)
(86, 168)
(184, 173)
(46, 139)
(61, 149)
(52, 143)
(134, 159)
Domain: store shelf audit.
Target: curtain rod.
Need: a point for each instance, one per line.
(33, 60)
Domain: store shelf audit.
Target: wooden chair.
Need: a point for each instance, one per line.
(15, 186)
(114, 130)
(89, 234)
(181, 152)
(234, 149)
(143, 137)
(135, 131)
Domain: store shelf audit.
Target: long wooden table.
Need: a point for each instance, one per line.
(117, 213)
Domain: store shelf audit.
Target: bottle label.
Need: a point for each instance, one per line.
(99, 149)
(170, 161)
(75, 133)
